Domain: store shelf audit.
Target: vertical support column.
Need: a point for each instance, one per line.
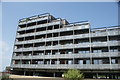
(50, 61)
(52, 40)
(34, 43)
(32, 73)
(24, 40)
(73, 46)
(45, 41)
(90, 44)
(58, 60)
(108, 45)
(24, 73)
(97, 75)
(54, 74)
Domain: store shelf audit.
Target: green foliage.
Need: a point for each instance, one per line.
(73, 74)
(5, 77)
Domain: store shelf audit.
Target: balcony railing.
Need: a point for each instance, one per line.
(98, 34)
(68, 66)
(67, 46)
(72, 55)
(50, 31)
(55, 47)
(115, 32)
(21, 23)
(99, 44)
(33, 19)
(54, 38)
(41, 25)
(38, 19)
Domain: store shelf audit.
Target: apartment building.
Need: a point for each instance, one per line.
(49, 46)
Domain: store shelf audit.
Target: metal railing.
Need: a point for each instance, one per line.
(66, 46)
(41, 25)
(52, 31)
(67, 66)
(54, 38)
(66, 56)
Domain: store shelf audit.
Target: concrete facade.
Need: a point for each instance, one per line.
(48, 46)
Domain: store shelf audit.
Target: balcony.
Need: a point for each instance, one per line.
(113, 43)
(41, 25)
(81, 27)
(38, 19)
(23, 22)
(67, 66)
(49, 31)
(99, 34)
(99, 44)
(66, 46)
(115, 32)
(24, 35)
(109, 43)
(53, 38)
(73, 55)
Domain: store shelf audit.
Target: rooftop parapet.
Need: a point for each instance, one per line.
(34, 17)
(104, 28)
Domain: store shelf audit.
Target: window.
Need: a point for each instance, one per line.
(69, 52)
(87, 61)
(80, 62)
(40, 62)
(87, 51)
(48, 62)
(69, 61)
(97, 61)
(57, 62)
(57, 53)
(113, 61)
(100, 61)
(79, 51)
(97, 51)
(114, 50)
(83, 51)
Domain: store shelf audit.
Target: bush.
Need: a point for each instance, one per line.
(73, 74)
(5, 77)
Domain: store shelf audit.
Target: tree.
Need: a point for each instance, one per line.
(73, 74)
(5, 77)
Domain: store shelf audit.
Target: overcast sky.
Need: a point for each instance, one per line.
(99, 14)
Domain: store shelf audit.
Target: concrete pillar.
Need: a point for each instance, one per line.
(50, 61)
(24, 73)
(97, 75)
(54, 74)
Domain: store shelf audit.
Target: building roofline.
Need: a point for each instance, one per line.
(34, 16)
(79, 22)
(118, 26)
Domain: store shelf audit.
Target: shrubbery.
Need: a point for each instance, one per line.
(5, 77)
(73, 74)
